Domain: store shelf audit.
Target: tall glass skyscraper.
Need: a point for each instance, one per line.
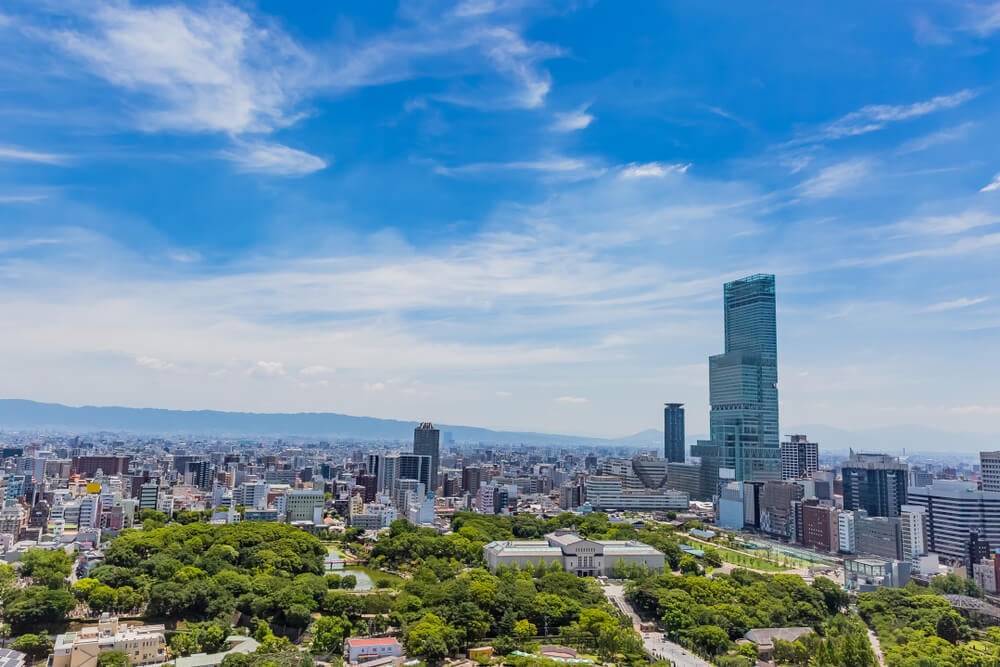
(427, 441)
(673, 432)
(743, 387)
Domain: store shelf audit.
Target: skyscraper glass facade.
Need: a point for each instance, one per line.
(743, 385)
(673, 432)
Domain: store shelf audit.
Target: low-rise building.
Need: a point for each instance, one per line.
(142, 644)
(361, 649)
(573, 553)
(867, 574)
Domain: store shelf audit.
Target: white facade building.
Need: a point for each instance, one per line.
(989, 463)
(575, 554)
(845, 528)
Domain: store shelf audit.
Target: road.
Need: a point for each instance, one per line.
(876, 646)
(656, 643)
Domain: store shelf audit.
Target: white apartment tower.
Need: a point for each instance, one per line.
(989, 463)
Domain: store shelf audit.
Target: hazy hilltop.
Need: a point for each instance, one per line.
(22, 414)
(17, 414)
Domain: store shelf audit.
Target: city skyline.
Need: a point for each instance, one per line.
(480, 213)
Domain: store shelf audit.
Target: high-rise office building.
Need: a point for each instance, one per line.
(473, 477)
(673, 432)
(913, 531)
(427, 442)
(799, 457)
(416, 467)
(743, 386)
(989, 463)
(374, 467)
(876, 483)
(954, 509)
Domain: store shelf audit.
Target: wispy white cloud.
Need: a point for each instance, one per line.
(16, 154)
(483, 39)
(955, 304)
(152, 363)
(266, 369)
(652, 169)
(270, 158)
(945, 136)
(571, 121)
(992, 185)
(722, 113)
(963, 246)
(555, 164)
(947, 224)
(875, 117)
(983, 18)
(22, 199)
(203, 68)
(989, 410)
(572, 400)
(928, 33)
(836, 178)
(503, 394)
(316, 370)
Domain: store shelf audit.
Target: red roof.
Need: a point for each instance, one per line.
(382, 641)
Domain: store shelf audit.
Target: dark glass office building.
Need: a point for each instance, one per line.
(673, 432)
(876, 483)
(743, 386)
(427, 442)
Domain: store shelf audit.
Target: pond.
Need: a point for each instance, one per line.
(335, 565)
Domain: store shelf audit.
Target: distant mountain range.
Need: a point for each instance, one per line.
(16, 414)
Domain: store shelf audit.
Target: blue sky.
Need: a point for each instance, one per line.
(503, 213)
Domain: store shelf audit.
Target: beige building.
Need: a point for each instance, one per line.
(575, 554)
(143, 644)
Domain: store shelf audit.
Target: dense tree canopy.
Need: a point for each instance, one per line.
(918, 627)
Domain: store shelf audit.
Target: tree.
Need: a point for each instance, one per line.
(525, 630)
(235, 660)
(82, 587)
(212, 638)
(794, 653)
(550, 609)
(113, 659)
(348, 582)
(183, 643)
(689, 565)
(47, 567)
(949, 627)
(709, 639)
(329, 633)
(38, 605)
(102, 598)
(834, 596)
(34, 646)
(951, 584)
(430, 638)
(298, 616)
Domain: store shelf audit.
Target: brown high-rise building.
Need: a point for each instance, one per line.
(87, 466)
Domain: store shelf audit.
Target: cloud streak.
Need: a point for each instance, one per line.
(956, 304)
(17, 154)
(835, 179)
(652, 170)
(875, 117)
(992, 186)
